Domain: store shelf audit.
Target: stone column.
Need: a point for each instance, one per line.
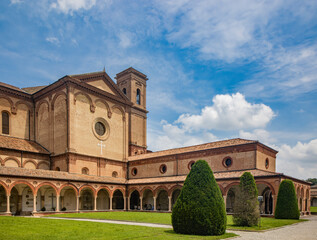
(95, 203)
(169, 204)
(110, 204)
(57, 203)
(124, 203)
(77, 203)
(129, 204)
(273, 203)
(34, 203)
(8, 204)
(141, 204)
(154, 200)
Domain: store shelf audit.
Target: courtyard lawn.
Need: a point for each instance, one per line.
(313, 209)
(165, 218)
(40, 228)
(266, 223)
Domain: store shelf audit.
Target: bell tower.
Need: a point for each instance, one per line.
(133, 84)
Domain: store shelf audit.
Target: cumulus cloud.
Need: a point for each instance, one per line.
(228, 112)
(298, 161)
(53, 40)
(173, 136)
(69, 6)
(261, 135)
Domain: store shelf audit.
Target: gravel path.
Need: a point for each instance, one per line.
(116, 222)
(300, 231)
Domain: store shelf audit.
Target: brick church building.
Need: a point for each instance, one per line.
(79, 144)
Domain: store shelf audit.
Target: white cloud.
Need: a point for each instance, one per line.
(69, 6)
(53, 40)
(16, 1)
(222, 30)
(286, 72)
(298, 161)
(125, 40)
(228, 112)
(173, 136)
(261, 135)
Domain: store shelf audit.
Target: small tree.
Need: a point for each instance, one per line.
(200, 209)
(246, 206)
(286, 205)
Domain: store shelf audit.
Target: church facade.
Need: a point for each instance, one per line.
(79, 144)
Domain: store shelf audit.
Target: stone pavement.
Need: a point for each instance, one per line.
(300, 231)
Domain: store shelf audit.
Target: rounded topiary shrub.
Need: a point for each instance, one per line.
(200, 209)
(286, 205)
(246, 207)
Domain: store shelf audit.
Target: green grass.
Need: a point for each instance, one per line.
(313, 209)
(266, 223)
(165, 218)
(51, 229)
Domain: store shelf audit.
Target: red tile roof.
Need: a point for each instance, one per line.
(212, 145)
(218, 175)
(21, 145)
(11, 87)
(32, 90)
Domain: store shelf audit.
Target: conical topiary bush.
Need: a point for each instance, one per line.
(246, 206)
(200, 209)
(286, 205)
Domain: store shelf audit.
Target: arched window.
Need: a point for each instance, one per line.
(85, 171)
(57, 169)
(138, 96)
(5, 122)
(124, 91)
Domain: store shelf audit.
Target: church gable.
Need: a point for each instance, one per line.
(101, 85)
(102, 81)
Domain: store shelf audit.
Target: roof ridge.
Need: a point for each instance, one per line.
(82, 74)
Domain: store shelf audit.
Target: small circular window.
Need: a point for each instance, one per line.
(114, 174)
(267, 163)
(134, 171)
(100, 128)
(191, 164)
(163, 168)
(227, 161)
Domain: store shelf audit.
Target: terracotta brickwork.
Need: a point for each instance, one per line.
(80, 144)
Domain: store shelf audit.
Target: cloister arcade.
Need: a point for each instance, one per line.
(22, 197)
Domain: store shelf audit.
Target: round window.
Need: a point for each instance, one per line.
(163, 168)
(227, 161)
(134, 171)
(191, 164)
(100, 128)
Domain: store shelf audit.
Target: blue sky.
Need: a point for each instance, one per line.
(216, 69)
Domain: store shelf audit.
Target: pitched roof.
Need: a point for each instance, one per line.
(132, 70)
(218, 175)
(21, 145)
(49, 174)
(32, 90)
(11, 87)
(205, 146)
